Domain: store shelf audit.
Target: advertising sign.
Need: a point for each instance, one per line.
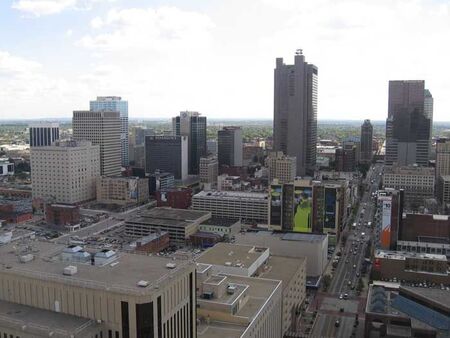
(386, 224)
(330, 209)
(133, 189)
(275, 204)
(303, 209)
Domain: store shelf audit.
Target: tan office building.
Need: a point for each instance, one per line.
(209, 170)
(65, 172)
(281, 167)
(122, 190)
(442, 157)
(49, 290)
(102, 128)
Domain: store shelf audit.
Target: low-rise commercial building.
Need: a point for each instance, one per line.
(179, 223)
(221, 226)
(122, 190)
(411, 266)
(62, 214)
(178, 198)
(152, 243)
(407, 312)
(313, 247)
(237, 306)
(417, 182)
(50, 290)
(249, 207)
(6, 168)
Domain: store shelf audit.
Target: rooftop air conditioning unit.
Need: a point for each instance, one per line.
(171, 265)
(142, 283)
(70, 270)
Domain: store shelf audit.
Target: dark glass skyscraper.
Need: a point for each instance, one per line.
(229, 146)
(295, 112)
(192, 125)
(409, 122)
(366, 141)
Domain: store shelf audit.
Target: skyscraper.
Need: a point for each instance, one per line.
(102, 128)
(229, 146)
(366, 141)
(409, 123)
(43, 134)
(442, 157)
(167, 153)
(192, 125)
(295, 112)
(115, 103)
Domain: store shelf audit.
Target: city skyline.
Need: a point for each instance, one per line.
(99, 49)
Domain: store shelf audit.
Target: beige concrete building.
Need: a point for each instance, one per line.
(292, 273)
(101, 128)
(122, 190)
(443, 190)
(417, 182)
(209, 170)
(250, 207)
(49, 290)
(236, 306)
(179, 223)
(281, 167)
(65, 172)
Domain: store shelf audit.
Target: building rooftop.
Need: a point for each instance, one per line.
(223, 222)
(282, 268)
(296, 236)
(403, 255)
(227, 254)
(33, 320)
(119, 275)
(232, 195)
(408, 170)
(169, 216)
(258, 291)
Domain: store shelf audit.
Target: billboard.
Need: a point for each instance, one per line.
(303, 209)
(330, 209)
(275, 204)
(386, 223)
(133, 189)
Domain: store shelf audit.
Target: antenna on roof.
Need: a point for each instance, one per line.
(299, 52)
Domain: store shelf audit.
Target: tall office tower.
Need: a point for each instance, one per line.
(281, 167)
(366, 142)
(229, 146)
(168, 154)
(295, 112)
(115, 103)
(442, 157)
(192, 125)
(139, 135)
(409, 122)
(43, 134)
(65, 172)
(102, 128)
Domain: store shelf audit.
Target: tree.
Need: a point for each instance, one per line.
(326, 281)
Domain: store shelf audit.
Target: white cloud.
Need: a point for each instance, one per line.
(15, 66)
(220, 60)
(43, 7)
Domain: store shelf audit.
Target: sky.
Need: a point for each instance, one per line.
(217, 56)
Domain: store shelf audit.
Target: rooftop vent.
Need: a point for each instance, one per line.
(70, 270)
(171, 265)
(143, 283)
(26, 258)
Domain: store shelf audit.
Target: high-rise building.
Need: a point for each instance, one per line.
(442, 157)
(346, 157)
(281, 167)
(65, 172)
(139, 135)
(43, 134)
(295, 112)
(229, 146)
(192, 125)
(366, 142)
(209, 170)
(167, 153)
(115, 103)
(103, 129)
(409, 123)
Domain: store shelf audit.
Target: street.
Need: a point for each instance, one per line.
(338, 307)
